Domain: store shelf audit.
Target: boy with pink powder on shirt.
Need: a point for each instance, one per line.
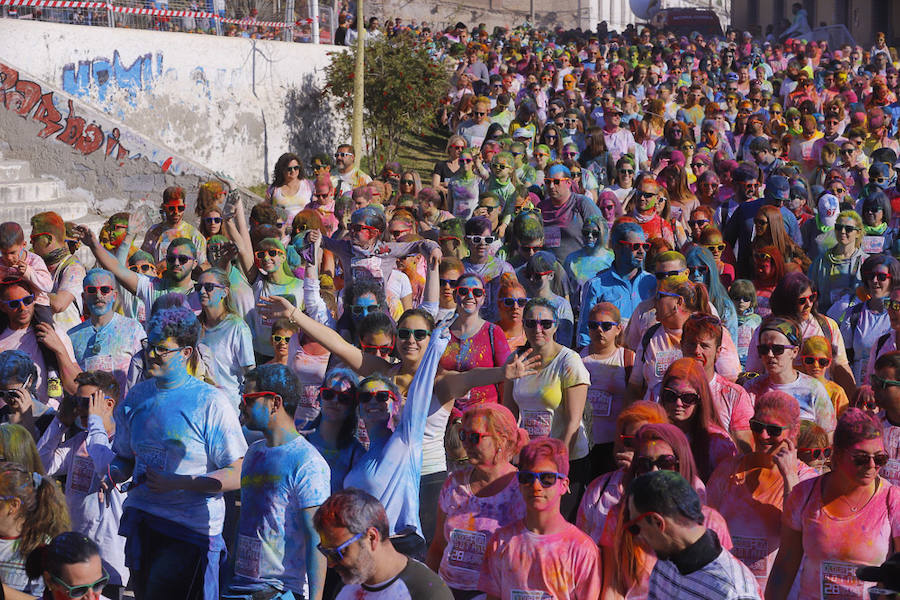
(541, 555)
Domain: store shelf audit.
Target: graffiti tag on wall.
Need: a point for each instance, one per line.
(101, 73)
(29, 100)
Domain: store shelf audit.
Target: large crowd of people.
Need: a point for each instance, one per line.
(636, 336)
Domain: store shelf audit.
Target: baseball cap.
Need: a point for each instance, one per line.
(778, 187)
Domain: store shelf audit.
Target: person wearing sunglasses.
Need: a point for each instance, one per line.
(70, 566)
(815, 359)
(777, 351)
(511, 302)
(479, 499)
(877, 217)
(552, 401)
(519, 555)
(702, 268)
(664, 513)
(711, 239)
(347, 175)
(749, 490)
(539, 275)
(645, 208)
(334, 432)
(160, 236)
(189, 503)
(106, 340)
(290, 189)
(483, 261)
(564, 212)
(838, 271)
(284, 480)
(355, 538)
(48, 239)
(831, 509)
(464, 186)
(625, 283)
(586, 262)
(445, 169)
(659, 447)
(886, 395)
(18, 390)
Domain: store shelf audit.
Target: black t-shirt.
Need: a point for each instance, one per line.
(442, 169)
(415, 582)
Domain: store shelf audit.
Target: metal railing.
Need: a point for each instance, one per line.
(305, 22)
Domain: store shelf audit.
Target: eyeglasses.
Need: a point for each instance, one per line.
(181, 259)
(847, 151)
(103, 289)
(635, 246)
(882, 277)
(664, 462)
(761, 257)
(773, 430)
(632, 526)
(604, 325)
(701, 270)
(628, 441)
(271, 253)
(556, 181)
(530, 249)
(845, 228)
(510, 302)
(321, 196)
(383, 396)
(157, 350)
(473, 437)
(811, 299)
(175, 208)
(822, 361)
(880, 383)
(544, 323)
(816, 453)
(861, 459)
(547, 478)
(337, 554)
(538, 275)
(593, 233)
(407, 182)
(330, 395)
(20, 302)
(144, 268)
(80, 591)
(342, 154)
(465, 292)
(660, 275)
(281, 339)
(449, 282)
(292, 168)
(208, 287)
(318, 166)
(489, 207)
(775, 349)
(669, 396)
(361, 310)
(698, 222)
(420, 334)
(715, 247)
(398, 233)
(358, 227)
(477, 240)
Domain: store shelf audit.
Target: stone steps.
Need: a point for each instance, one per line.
(14, 170)
(23, 195)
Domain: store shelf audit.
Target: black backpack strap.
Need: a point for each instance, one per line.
(881, 342)
(854, 318)
(648, 335)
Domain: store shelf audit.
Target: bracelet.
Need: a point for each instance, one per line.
(291, 317)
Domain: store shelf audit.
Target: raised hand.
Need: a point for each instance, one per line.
(521, 365)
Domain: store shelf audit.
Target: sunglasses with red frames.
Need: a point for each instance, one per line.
(382, 349)
(93, 289)
(815, 453)
(645, 246)
(881, 277)
(464, 292)
(664, 462)
(381, 396)
(632, 526)
(342, 396)
(628, 441)
(247, 399)
(358, 227)
(810, 299)
(811, 360)
(473, 437)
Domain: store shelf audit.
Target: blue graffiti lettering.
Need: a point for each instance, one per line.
(98, 74)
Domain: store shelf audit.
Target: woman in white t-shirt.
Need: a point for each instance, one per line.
(551, 403)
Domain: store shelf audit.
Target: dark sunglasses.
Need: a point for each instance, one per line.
(533, 323)
(698, 222)
(103, 289)
(144, 268)
(660, 275)
(465, 292)
(845, 228)
(880, 383)
(449, 282)
(699, 270)
(80, 591)
(547, 478)
(633, 246)
(207, 287)
(664, 462)
(510, 302)
(628, 441)
(177, 208)
(715, 247)
(271, 253)
(530, 249)
(420, 334)
(862, 460)
(604, 325)
(811, 360)
(668, 396)
(213, 220)
(281, 339)
(383, 396)
(292, 168)
(407, 182)
(20, 302)
(361, 310)
(882, 277)
(473, 437)
(815, 453)
(377, 349)
(776, 349)
(770, 428)
(181, 259)
(336, 555)
(331, 394)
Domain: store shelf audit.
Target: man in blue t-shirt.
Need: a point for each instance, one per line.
(284, 479)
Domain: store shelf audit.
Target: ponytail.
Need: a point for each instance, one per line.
(43, 505)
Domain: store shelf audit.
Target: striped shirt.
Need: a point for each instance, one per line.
(723, 578)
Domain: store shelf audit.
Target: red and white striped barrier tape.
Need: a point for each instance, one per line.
(155, 12)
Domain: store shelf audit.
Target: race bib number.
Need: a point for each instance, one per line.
(537, 422)
(246, 561)
(872, 244)
(152, 456)
(664, 359)
(601, 402)
(745, 334)
(82, 475)
(839, 581)
(752, 552)
(552, 237)
(371, 266)
(891, 471)
(466, 549)
(103, 362)
(310, 397)
(529, 595)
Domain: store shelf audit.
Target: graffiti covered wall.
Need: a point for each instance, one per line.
(230, 104)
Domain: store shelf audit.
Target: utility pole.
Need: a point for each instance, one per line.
(359, 81)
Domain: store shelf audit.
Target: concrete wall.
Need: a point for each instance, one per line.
(229, 104)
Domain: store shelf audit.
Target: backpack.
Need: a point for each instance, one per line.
(853, 318)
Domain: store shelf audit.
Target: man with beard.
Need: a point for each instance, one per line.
(173, 227)
(181, 259)
(353, 529)
(48, 238)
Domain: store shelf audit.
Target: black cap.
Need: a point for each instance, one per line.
(888, 574)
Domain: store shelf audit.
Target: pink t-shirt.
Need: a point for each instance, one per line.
(486, 348)
(891, 471)
(521, 565)
(37, 276)
(833, 547)
(470, 522)
(600, 497)
(753, 516)
(731, 404)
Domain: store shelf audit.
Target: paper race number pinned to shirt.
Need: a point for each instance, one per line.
(600, 401)
(247, 559)
(466, 549)
(537, 422)
(872, 244)
(839, 581)
(82, 474)
(751, 551)
(529, 595)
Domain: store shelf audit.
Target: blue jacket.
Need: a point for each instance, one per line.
(609, 286)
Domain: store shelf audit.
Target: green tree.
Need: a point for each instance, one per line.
(404, 87)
